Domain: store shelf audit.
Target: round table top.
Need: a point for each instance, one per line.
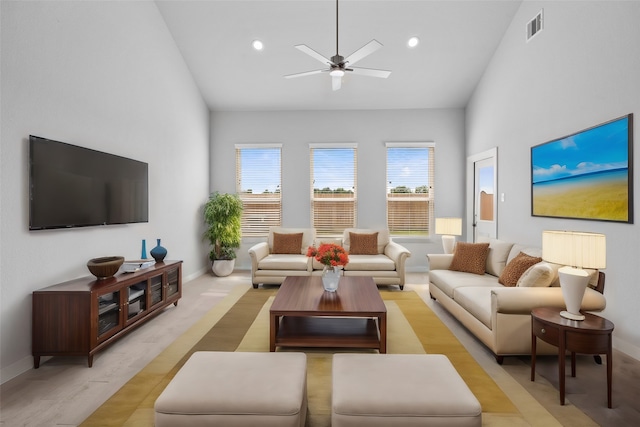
(590, 323)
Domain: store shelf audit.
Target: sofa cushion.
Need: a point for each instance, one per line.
(284, 262)
(516, 267)
(289, 243)
(477, 301)
(363, 244)
(470, 257)
(383, 237)
(378, 262)
(539, 275)
(497, 256)
(448, 281)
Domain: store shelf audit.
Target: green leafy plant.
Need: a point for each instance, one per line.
(222, 214)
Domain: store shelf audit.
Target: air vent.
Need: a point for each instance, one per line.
(535, 25)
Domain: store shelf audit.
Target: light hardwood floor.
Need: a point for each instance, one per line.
(64, 391)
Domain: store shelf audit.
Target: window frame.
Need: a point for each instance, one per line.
(321, 230)
(257, 228)
(430, 198)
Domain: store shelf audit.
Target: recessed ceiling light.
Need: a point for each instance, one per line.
(413, 42)
(257, 45)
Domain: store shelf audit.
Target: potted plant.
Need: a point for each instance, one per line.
(222, 215)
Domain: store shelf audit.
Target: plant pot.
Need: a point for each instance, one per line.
(223, 267)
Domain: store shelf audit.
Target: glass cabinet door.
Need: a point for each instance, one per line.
(108, 314)
(172, 282)
(157, 291)
(136, 300)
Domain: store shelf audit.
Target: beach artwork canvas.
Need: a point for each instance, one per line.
(587, 175)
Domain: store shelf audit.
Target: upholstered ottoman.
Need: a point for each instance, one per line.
(400, 390)
(236, 389)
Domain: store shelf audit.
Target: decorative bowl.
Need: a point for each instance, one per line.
(105, 267)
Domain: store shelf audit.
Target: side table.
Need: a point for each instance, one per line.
(589, 336)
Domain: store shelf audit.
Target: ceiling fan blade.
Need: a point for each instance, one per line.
(365, 50)
(312, 53)
(336, 82)
(306, 73)
(371, 72)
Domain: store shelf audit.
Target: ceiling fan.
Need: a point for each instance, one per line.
(339, 65)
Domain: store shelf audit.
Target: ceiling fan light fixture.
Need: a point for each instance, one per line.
(413, 41)
(336, 72)
(257, 45)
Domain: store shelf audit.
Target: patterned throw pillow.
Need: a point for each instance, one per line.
(363, 244)
(516, 267)
(290, 243)
(470, 257)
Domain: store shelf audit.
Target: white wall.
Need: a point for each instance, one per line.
(107, 76)
(370, 130)
(581, 70)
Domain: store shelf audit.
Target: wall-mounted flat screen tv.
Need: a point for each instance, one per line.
(586, 175)
(72, 186)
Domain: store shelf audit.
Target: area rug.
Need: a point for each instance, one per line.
(241, 323)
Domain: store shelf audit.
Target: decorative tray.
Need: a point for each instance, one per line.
(135, 265)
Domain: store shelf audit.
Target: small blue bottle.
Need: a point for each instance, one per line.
(144, 250)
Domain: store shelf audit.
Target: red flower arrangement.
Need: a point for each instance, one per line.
(329, 254)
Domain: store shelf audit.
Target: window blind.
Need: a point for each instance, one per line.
(410, 188)
(259, 185)
(333, 188)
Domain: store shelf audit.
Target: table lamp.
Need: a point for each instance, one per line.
(449, 228)
(575, 250)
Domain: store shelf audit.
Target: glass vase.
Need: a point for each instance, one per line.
(330, 278)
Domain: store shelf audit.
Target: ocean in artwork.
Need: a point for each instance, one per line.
(602, 195)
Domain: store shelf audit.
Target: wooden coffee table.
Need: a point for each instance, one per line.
(304, 315)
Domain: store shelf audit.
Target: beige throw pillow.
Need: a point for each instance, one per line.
(539, 275)
(516, 267)
(363, 244)
(470, 257)
(290, 243)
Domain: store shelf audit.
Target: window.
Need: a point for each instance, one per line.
(333, 187)
(258, 183)
(410, 188)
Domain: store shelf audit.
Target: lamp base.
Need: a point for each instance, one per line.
(448, 243)
(573, 282)
(572, 316)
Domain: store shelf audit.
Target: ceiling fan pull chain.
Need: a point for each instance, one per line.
(337, 50)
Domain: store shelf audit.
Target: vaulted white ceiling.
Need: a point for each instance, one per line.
(458, 39)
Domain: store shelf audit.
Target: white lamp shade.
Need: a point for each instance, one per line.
(449, 226)
(574, 248)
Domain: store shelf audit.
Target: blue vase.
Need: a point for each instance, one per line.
(143, 254)
(158, 253)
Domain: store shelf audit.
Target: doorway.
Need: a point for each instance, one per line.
(482, 185)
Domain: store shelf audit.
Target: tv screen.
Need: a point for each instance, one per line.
(72, 186)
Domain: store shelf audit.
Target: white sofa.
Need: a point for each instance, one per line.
(387, 267)
(499, 316)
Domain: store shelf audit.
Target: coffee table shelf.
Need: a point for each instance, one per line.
(328, 332)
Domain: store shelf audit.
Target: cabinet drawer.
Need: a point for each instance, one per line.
(587, 343)
(545, 332)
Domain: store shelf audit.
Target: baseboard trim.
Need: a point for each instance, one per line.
(18, 368)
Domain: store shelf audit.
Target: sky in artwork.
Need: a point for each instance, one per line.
(598, 149)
